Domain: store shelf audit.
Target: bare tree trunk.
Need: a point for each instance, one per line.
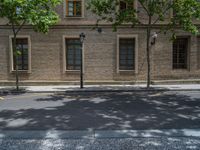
(16, 61)
(148, 53)
(15, 32)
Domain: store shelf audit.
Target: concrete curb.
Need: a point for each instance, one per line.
(98, 134)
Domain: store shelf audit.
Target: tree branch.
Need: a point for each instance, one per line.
(20, 27)
(13, 28)
(144, 7)
(170, 5)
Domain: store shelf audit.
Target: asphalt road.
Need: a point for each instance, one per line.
(104, 144)
(101, 111)
(90, 111)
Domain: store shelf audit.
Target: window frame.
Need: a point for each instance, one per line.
(74, 17)
(135, 6)
(11, 53)
(134, 36)
(188, 53)
(65, 37)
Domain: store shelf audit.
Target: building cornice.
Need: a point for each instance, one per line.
(73, 26)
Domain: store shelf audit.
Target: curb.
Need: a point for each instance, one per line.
(98, 134)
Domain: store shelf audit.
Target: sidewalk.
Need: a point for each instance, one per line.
(103, 88)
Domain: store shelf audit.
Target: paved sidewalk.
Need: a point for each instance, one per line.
(103, 88)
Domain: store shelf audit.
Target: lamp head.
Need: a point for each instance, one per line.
(154, 37)
(82, 37)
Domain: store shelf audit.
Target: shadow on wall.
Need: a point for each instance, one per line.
(103, 111)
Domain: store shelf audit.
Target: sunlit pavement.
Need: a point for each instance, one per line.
(100, 120)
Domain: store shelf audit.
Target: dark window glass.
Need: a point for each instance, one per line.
(125, 5)
(73, 8)
(127, 54)
(22, 48)
(122, 5)
(174, 13)
(180, 51)
(73, 54)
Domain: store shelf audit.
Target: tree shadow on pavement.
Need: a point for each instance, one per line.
(12, 91)
(105, 111)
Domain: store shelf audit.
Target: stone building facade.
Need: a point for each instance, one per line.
(109, 57)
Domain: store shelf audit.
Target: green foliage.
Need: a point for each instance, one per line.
(186, 11)
(38, 13)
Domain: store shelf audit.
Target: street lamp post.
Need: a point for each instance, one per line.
(82, 38)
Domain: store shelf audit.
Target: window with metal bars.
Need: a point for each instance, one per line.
(73, 8)
(127, 54)
(22, 48)
(180, 53)
(73, 54)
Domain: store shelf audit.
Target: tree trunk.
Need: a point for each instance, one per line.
(16, 61)
(148, 53)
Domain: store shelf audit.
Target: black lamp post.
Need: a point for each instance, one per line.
(82, 38)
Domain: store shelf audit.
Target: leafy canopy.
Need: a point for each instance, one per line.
(185, 11)
(38, 13)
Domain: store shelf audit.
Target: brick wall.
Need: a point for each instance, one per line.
(198, 53)
(100, 53)
(99, 56)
